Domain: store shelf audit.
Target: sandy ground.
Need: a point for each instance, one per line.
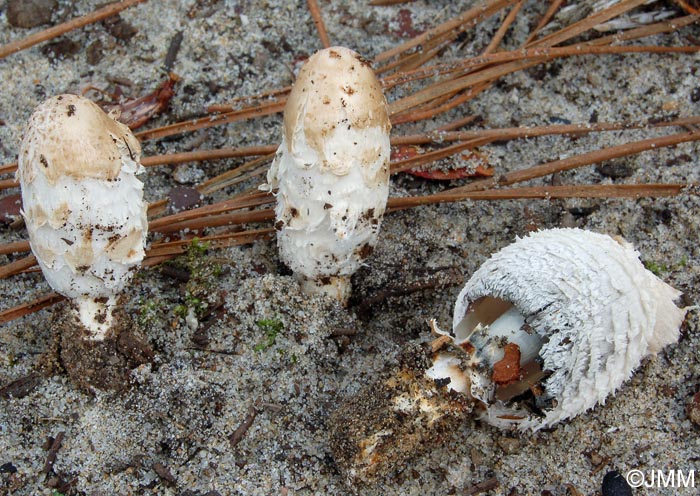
(271, 349)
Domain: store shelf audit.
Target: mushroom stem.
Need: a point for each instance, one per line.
(338, 287)
(96, 315)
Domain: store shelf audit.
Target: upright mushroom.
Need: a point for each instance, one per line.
(83, 205)
(331, 170)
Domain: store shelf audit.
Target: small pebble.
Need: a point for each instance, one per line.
(509, 445)
(63, 48)
(693, 409)
(188, 174)
(30, 13)
(615, 170)
(614, 484)
(94, 52)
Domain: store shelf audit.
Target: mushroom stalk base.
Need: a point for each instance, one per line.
(337, 287)
(96, 316)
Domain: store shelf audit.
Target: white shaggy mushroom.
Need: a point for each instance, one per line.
(553, 324)
(82, 204)
(331, 170)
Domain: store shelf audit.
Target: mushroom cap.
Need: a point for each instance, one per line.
(68, 135)
(335, 87)
(587, 302)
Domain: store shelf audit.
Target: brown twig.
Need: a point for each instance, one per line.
(315, 12)
(216, 183)
(53, 451)
(581, 160)
(667, 26)
(542, 193)
(462, 22)
(553, 8)
(509, 133)
(510, 62)
(236, 203)
(226, 107)
(238, 434)
(483, 486)
(213, 120)
(60, 29)
(26, 308)
(507, 22)
(19, 388)
(17, 266)
(173, 248)
(589, 22)
(429, 157)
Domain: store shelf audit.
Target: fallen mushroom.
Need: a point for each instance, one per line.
(546, 329)
(83, 205)
(331, 171)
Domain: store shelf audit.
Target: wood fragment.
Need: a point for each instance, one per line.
(235, 203)
(589, 22)
(512, 61)
(238, 434)
(164, 473)
(53, 451)
(463, 21)
(429, 157)
(17, 266)
(225, 107)
(26, 308)
(212, 120)
(60, 29)
(14, 247)
(503, 29)
(316, 15)
(173, 50)
(595, 156)
(667, 26)
(19, 388)
(551, 11)
(482, 487)
(545, 193)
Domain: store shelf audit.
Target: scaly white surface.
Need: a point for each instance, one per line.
(87, 233)
(331, 205)
(591, 299)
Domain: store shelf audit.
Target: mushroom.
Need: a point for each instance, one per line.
(553, 324)
(83, 204)
(546, 329)
(331, 171)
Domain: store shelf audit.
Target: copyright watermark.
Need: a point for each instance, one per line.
(661, 478)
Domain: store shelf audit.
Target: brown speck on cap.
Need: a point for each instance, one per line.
(76, 138)
(349, 93)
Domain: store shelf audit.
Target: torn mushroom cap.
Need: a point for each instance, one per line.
(335, 87)
(553, 324)
(72, 136)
